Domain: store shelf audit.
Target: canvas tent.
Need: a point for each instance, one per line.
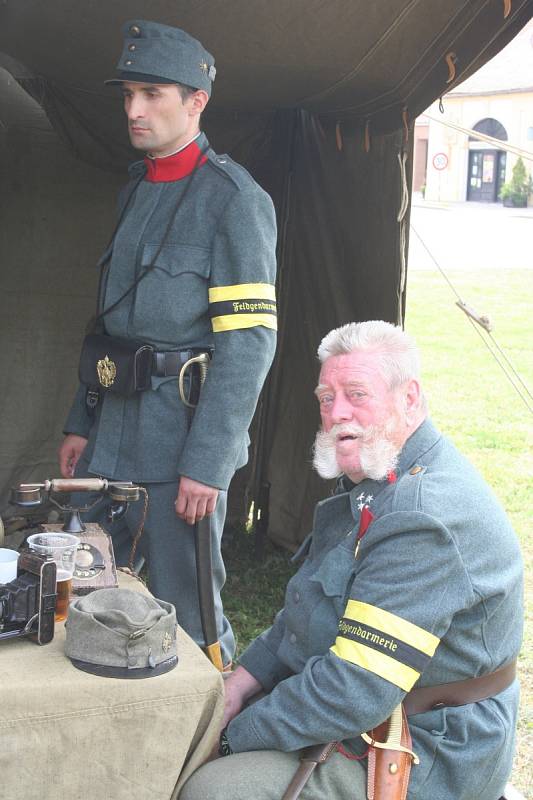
(316, 99)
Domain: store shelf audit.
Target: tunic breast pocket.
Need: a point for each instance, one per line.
(172, 300)
(333, 580)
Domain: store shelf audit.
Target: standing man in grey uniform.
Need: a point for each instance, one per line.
(190, 268)
(410, 591)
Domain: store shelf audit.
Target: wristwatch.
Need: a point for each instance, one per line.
(224, 748)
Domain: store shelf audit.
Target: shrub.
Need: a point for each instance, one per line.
(516, 191)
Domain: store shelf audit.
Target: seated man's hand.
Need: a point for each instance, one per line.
(69, 454)
(194, 500)
(239, 687)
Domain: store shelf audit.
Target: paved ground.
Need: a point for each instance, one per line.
(471, 236)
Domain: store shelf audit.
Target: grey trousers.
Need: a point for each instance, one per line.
(266, 774)
(168, 546)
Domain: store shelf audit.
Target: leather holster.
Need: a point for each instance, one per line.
(390, 757)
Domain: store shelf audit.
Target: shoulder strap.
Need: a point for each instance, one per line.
(94, 326)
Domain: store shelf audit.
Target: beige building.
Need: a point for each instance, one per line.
(451, 166)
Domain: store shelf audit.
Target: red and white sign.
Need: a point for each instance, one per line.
(440, 161)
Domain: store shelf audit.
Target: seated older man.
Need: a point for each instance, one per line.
(409, 591)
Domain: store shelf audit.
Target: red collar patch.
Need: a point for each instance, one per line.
(174, 167)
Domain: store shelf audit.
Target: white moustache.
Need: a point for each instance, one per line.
(349, 429)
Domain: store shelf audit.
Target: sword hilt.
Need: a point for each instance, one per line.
(202, 359)
(394, 736)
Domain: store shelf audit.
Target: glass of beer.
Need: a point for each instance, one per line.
(61, 548)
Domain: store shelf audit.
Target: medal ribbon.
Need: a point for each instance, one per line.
(364, 522)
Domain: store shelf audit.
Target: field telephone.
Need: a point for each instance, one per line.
(95, 562)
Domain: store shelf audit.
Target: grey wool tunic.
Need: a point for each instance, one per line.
(434, 596)
(213, 237)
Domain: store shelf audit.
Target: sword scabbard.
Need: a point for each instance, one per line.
(214, 654)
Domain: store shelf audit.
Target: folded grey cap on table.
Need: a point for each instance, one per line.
(118, 633)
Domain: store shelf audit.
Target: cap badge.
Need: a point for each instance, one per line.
(203, 66)
(167, 641)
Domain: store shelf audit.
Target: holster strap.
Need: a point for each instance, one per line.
(459, 693)
(168, 364)
(310, 758)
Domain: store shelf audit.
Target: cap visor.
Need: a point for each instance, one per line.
(137, 77)
(124, 672)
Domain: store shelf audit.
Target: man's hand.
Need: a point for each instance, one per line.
(69, 454)
(194, 500)
(238, 688)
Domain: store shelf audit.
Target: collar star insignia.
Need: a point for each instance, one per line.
(363, 500)
(167, 641)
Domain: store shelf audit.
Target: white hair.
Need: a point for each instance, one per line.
(395, 350)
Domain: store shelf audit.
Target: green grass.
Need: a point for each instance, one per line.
(254, 591)
(472, 402)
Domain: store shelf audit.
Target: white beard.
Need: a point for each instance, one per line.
(378, 455)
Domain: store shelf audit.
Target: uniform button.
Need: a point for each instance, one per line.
(292, 638)
(132, 47)
(296, 597)
(135, 30)
(128, 63)
(415, 470)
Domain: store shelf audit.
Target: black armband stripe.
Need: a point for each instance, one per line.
(374, 638)
(250, 306)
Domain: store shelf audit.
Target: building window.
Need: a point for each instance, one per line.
(491, 127)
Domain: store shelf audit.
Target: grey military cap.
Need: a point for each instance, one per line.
(118, 633)
(156, 53)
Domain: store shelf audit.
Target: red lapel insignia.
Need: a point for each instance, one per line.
(364, 522)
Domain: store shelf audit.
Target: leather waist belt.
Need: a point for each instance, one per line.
(459, 693)
(168, 364)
